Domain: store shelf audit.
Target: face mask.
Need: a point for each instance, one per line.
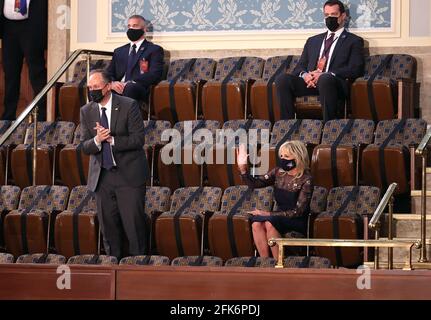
(332, 23)
(96, 95)
(287, 165)
(135, 34)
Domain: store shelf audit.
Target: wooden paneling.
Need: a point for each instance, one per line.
(34, 282)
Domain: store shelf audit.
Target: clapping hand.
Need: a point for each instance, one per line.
(102, 134)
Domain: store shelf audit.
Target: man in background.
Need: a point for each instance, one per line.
(24, 30)
(137, 65)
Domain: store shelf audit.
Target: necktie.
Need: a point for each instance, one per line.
(107, 161)
(131, 63)
(21, 6)
(328, 45)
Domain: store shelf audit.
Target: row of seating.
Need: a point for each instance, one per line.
(198, 261)
(342, 152)
(193, 221)
(237, 87)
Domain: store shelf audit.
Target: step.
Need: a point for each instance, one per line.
(406, 226)
(416, 201)
(400, 255)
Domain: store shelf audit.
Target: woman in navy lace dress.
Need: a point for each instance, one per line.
(292, 192)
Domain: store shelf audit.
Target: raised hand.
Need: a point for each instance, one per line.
(242, 159)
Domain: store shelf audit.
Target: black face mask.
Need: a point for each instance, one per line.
(332, 23)
(287, 165)
(96, 95)
(135, 34)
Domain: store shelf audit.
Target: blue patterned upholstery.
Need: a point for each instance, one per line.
(61, 134)
(307, 262)
(365, 204)
(18, 135)
(190, 261)
(9, 198)
(154, 261)
(80, 70)
(210, 125)
(262, 127)
(55, 200)
(153, 136)
(243, 261)
(361, 132)
(318, 200)
(251, 69)
(77, 195)
(157, 199)
(6, 258)
(261, 199)
(203, 69)
(402, 66)
(35, 258)
(87, 259)
(273, 63)
(412, 134)
(309, 132)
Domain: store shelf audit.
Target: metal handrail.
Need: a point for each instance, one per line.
(48, 87)
(284, 242)
(375, 220)
(422, 151)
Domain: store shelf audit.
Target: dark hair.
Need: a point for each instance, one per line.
(334, 3)
(105, 75)
(138, 16)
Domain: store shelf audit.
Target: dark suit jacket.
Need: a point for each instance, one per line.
(152, 53)
(347, 61)
(127, 128)
(37, 22)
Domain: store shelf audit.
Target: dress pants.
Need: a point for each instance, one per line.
(121, 211)
(19, 42)
(330, 90)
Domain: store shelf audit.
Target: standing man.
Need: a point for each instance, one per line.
(137, 65)
(327, 62)
(24, 29)
(112, 133)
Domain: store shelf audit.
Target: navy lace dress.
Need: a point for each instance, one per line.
(292, 196)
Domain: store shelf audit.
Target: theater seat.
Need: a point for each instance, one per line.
(182, 230)
(307, 262)
(177, 98)
(197, 261)
(6, 258)
(229, 230)
(264, 101)
(223, 171)
(187, 173)
(251, 262)
(93, 260)
(224, 98)
(41, 259)
(73, 94)
(9, 201)
(73, 163)
(307, 131)
(6, 149)
(52, 137)
(29, 229)
(335, 161)
(387, 89)
(145, 261)
(343, 219)
(387, 160)
(77, 228)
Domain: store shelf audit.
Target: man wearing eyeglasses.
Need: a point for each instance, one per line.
(328, 61)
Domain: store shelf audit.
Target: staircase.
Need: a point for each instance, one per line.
(408, 226)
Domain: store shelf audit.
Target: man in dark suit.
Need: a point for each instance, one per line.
(137, 65)
(112, 133)
(24, 29)
(327, 62)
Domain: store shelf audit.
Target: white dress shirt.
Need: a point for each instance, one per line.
(336, 37)
(108, 111)
(10, 13)
(138, 45)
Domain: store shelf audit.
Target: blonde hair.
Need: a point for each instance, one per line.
(299, 151)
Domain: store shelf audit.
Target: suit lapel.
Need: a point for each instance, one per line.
(317, 48)
(114, 112)
(95, 113)
(338, 46)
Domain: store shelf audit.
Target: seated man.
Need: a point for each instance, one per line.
(328, 60)
(138, 65)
